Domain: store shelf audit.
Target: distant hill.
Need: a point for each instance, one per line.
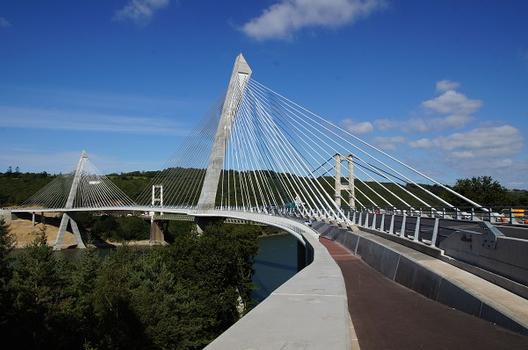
(15, 187)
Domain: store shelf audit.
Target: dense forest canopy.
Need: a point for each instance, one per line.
(176, 297)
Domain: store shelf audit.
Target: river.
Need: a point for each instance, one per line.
(275, 263)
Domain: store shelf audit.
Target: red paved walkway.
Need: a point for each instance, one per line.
(387, 315)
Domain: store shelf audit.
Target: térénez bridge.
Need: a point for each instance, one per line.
(260, 157)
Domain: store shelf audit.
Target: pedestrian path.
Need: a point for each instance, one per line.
(387, 315)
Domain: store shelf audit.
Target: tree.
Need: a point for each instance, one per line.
(39, 298)
(483, 190)
(6, 245)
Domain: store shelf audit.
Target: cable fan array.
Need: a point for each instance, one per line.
(182, 177)
(296, 148)
(94, 190)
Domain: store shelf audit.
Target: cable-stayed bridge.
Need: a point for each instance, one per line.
(260, 152)
(261, 157)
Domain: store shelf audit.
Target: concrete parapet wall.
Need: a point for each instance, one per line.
(434, 278)
(507, 257)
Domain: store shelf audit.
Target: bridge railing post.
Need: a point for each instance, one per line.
(416, 237)
(435, 232)
(402, 229)
(373, 221)
(382, 223)
(391, 227)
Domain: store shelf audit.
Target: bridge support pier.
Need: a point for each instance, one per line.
(59, 241)
(157, 229)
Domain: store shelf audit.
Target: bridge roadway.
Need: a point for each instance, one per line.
(387, 315)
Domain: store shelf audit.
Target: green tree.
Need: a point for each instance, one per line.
(118, 325)
(132, 227)
(483, 190)
(6, 245)
(39, 299)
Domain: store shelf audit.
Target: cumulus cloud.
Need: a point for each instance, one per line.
(283, 19)
(357, 127)
(385, 124)
(452, 102)
(492, 151)
(389, 143)
(446, 85)
(140, 11)
(481, 143)
(450, 109)
(422, 143)
(4, 23)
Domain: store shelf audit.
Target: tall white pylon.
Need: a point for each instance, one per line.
(239, 78)
(59, 241)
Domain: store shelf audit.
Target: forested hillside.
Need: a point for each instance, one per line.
(15, 187)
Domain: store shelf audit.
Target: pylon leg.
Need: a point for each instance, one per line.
(77, 234)
(59, 241)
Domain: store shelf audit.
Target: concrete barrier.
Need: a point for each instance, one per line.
(435, 278)
(508, 256)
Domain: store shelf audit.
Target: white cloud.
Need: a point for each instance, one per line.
(385, 124)
(357, 127)
(446, 85)
(389, 143)
(422, 143)
(283, 19)
(4, 23)
(479, 143)
(38, 118)
(140, 11)
(492, 151)
(450, 109)
(452, 102)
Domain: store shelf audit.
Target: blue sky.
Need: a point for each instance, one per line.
(440, 84)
